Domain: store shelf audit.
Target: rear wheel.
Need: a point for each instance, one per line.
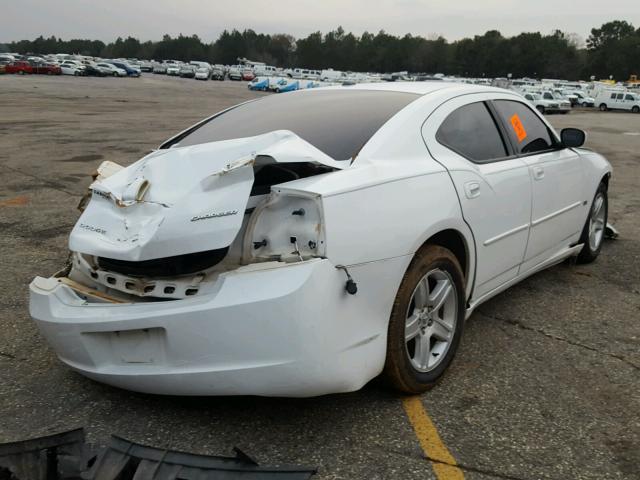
(541, 109)
(594, 229)
(426, 321)
(635, 109)
(603, 107)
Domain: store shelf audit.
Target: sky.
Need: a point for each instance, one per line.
(453, 19)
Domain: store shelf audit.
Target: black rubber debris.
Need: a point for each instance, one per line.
(65, 456)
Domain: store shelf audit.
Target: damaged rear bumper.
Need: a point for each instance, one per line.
(274, 330)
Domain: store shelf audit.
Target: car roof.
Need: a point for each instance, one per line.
(421, 88)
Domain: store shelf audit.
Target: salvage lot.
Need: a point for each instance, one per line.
(547, 379)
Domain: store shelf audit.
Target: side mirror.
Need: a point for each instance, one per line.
(572, 137)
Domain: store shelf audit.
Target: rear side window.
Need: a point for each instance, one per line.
(338, 122)
(526, 131)
(471, 131)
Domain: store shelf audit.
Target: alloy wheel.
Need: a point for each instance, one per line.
(431, 320)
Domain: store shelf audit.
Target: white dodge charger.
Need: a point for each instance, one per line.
(303, 244)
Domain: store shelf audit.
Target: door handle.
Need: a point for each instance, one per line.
(538, 172)
(472, 189)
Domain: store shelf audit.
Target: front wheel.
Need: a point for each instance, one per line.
(635, 109)
(540, 108)
(594, 229)
(426, 321)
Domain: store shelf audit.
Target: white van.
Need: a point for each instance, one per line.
(264, 70)
(618, 100)
(331, 75)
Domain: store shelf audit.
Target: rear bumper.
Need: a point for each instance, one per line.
(285, 331)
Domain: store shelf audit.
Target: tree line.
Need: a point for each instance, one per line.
(611, 50)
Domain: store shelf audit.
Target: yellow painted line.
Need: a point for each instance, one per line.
(442, 462)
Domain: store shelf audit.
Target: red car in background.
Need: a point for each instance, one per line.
(47, 69)
(247, 74)
(21, 67)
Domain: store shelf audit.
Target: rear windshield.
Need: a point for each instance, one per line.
(338, 122)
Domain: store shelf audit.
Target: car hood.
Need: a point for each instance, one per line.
(183, 199)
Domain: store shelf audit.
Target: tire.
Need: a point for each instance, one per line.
(405, 368)
(594, 228)
(115, 74)
(635, 109)
(585, 104)
(541, 109)
(603, 107)
(20, 72)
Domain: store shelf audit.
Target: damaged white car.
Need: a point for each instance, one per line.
(303, 244)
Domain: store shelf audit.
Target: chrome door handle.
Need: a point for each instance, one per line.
(538, 172)
(472, 189)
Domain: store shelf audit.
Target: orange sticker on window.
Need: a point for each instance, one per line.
(518, 128)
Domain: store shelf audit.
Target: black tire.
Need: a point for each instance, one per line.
(541, 109)
(115, 74)
(603, 107)
(588, 254)
(399, 371)
(635, 109)
(585, 104)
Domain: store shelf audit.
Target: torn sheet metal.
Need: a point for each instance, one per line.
(181, 200)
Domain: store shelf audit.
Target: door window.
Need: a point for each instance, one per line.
(472, 132)
(629, 97)
(527, 132)
(620, 96)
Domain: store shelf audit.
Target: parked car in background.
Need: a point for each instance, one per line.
(289, 85)
(202, 73)
(275, 82)
(238, 259)
(583, 99)
(568, 95)
(264, 70)
(259, 83)
(541, 104)
(331, 75)
(248, 75)
(111, 69)
(187, 71)
(618, 100)
(47, 68)
(21, 67)
(160, 68)
(93, 70)
(174, 69)
(147, 66)
(218, 73)
(71, 69)
(130, 70)
(564, 105)
(235, 74)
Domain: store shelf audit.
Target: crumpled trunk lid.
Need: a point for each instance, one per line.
(181, 200)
